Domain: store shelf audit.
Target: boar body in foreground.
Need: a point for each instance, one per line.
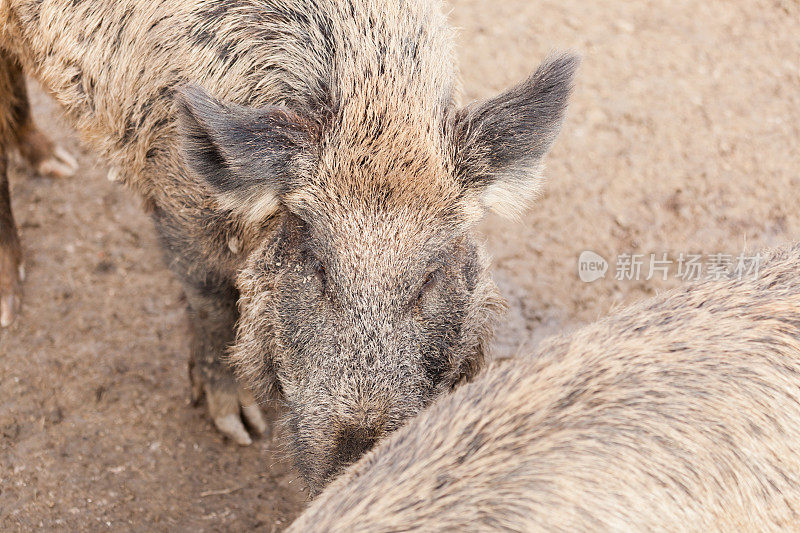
(311, 180)
(679, 413)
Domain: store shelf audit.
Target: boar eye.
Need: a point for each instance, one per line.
(430, 281)
(322, 276)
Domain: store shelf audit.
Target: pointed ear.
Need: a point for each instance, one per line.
(250, 157)
(500, 143)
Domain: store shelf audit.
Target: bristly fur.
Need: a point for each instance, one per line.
(308, 157)
(681, 412)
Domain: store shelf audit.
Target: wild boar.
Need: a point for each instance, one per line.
(311, 179)
(681, 412)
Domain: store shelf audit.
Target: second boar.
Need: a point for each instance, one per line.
(679, 413)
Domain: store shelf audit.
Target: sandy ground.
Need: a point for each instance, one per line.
(682, 138)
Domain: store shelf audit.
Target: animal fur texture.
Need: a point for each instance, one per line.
(679, 413)
(312, 180)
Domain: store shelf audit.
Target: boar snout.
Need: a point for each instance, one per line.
(355, 441)
(336, 436)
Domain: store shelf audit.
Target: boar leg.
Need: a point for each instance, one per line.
(11, 271)
(36, 148)
(213, 315)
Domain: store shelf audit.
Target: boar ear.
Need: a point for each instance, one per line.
(250, 157)
(500, 143)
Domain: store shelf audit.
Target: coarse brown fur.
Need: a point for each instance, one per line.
(681, 412)
(308, 157)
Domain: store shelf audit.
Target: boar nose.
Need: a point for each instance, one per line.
(354, 442)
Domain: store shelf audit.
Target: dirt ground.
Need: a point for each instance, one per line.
(682, 138)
